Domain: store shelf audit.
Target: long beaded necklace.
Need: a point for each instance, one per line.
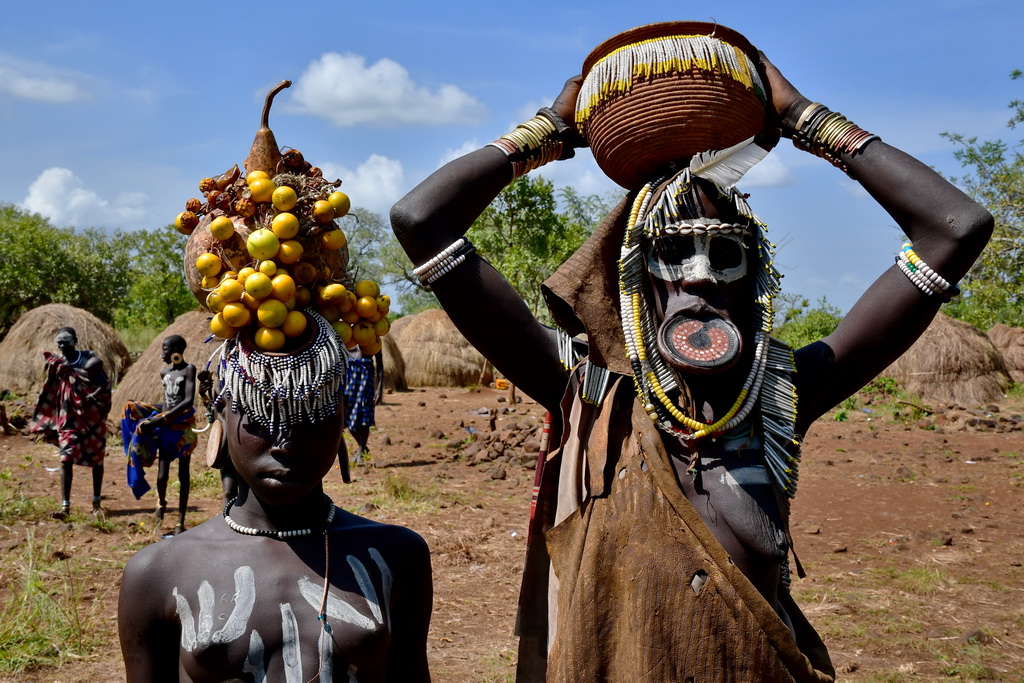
(279, 535)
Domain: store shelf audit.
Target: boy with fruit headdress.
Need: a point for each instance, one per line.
(72, 412)
(660, 546)
(164, 431)
(283, 585)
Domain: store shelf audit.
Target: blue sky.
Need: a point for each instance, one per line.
(111, 113)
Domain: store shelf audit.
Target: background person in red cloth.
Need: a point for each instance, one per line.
(72, 413)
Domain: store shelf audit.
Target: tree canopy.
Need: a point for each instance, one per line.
(993, 291)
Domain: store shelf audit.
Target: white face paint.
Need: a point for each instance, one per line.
(720, 258)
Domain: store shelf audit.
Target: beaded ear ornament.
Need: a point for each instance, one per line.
(768, 384)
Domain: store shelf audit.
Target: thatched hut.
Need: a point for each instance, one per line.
(437, 355)
(952, 362)
(1010, 342)
(394, 365)
(399, 325)
(142, 383)
(21, 351)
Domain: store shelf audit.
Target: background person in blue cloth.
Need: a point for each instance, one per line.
(164, 431)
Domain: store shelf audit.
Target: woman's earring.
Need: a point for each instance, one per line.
(176, 358)
(217, 446)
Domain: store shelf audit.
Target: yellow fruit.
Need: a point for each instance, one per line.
(366, 307)
(330, 313)
(302, 296)
(285, 225)
(284, 198)
(209, 281)
(363, 333)
(258, 286)
(349, 303)
(371, 349)
(262, 244)
(351, 317)
(256, 175)
(220, 327)
(269, 339)
(268, 268)
(215, 302)
(332, 240)
(323, 211)
(208, 264)
(249, 302)
(304, 273)
(222, 228)
(340, 202)
(244, 273)
(271, 313)
(236, 315)
(289, 252)
(262, 190)
(283, 287)
(290, 304)
(294, 324)
(344, 331)
(186, 222)
(229, 275)
(384, 303)
(333, 293)
(230, 290)
(367, 288)
(382, 326)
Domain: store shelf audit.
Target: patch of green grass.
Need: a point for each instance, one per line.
(14, 505)
(397, 493)
(916, 580)
(46, 622)
(137, 339)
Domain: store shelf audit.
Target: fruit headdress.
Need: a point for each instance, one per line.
(265, 249)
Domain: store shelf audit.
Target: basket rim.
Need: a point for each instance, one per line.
(666, 29)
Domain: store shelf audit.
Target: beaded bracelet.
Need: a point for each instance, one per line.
(829, 134)
(444, 262)
(533, 144)
(923, 277)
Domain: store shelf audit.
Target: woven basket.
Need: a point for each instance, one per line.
(638, 131)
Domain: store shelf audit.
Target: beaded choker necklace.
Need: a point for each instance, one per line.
(279, 535)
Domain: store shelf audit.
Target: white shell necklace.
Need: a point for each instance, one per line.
(279, 535)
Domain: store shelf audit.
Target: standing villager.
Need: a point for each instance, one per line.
(164, 432)
(72, 413)
(660, 544)
(364, 389)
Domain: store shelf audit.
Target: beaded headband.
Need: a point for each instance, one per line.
(277, 390)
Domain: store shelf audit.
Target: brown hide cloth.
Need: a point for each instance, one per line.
(625, 561)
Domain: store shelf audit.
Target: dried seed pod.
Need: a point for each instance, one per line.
(211, 198)
(264, 154)
(315, 172)
(227, 177)
(193, 205)
(245, 207)
(292, 160)
(223, 201)
(187, 222)
(207, 185)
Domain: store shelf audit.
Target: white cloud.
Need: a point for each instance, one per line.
(375, 185)
(344, 90)
(39, 83)
(453, 154)
(61, 196)
(769, 172)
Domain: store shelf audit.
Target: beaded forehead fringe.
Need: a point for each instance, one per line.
(769, 382)
(280, 390)
(615, 73)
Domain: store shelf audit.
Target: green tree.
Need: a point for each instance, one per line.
(156, 289)
(798, 325)
(526, 235)
(45, 264)
(993, 291)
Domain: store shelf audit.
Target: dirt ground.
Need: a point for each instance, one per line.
(911, 539)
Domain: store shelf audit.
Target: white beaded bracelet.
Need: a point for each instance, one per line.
(446, 261)
(923, 277)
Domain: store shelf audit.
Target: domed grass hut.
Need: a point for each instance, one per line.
(952, 362)
(142, 383)
(394, 365)
(437, 355)
(398, 326)
(1010, 342)
(21, 352)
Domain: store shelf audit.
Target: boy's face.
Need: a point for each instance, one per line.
(282, 468)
